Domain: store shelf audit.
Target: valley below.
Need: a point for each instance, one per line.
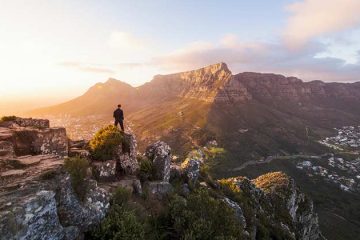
(331, 179)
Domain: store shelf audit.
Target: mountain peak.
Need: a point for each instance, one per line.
(111, 80)
(217, 67)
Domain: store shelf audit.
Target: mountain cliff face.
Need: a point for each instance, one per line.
(202, 84)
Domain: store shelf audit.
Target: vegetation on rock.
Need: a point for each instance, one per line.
(77, 168)
(7, 118)
(273, 181)
(105, 143)
(199, 216)
(122, 221)
(147, 170)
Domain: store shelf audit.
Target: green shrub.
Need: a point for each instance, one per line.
(121, 223)
(8, 118)
(200, 216)
(77, 168)
(147, 170)
(121, 196)
(105, 142)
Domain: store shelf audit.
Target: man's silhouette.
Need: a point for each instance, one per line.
(119, 117)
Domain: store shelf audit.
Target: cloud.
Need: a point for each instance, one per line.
(313, 18)
(125, 41)
(261, 57)
(93, 68)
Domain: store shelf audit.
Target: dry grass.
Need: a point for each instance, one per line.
(272, 181)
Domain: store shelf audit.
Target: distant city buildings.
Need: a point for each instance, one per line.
(79, 128)
(344, 173)
(347, 137)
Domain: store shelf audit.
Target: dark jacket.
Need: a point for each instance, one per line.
(119, 114)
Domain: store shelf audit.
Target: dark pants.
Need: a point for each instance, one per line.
(121, 122)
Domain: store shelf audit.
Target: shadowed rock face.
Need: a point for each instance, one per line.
(160, 154)
(265, 87)
(40, 141)
(49, 209)
(126, 155)
(275, 197)
(31, 137)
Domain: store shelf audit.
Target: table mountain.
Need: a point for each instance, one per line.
(250, 114)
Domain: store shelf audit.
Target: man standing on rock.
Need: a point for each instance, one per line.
(119, 117)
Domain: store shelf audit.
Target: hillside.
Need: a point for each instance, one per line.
(251, 115)
(67, 190)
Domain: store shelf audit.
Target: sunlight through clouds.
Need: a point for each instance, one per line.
(312, 18)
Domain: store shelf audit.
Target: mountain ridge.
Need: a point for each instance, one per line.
(251, 114)
(211, 83)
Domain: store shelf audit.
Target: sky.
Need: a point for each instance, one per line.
(55, 50)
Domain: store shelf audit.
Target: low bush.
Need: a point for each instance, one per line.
(77, 168)
(120, 224)
(122, 221)
(147, 170)
(273, 181)
(121, 196)
(8, 118)
(199, 216)
(105, 142)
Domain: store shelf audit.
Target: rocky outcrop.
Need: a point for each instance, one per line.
(160, 155)
(25, 122)
(191, 169)
(34, 217)
(31, 137)
(274, 202)
(238, 211)
(126, 155)
(82, 215)
(49, 209)
(284, 194)
(37, 200)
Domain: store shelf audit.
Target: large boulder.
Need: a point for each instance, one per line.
(126, 155)
(160, 155)
(191, 169)
(47, 207)
(84, 215)
(25, 139)
(33, 217)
